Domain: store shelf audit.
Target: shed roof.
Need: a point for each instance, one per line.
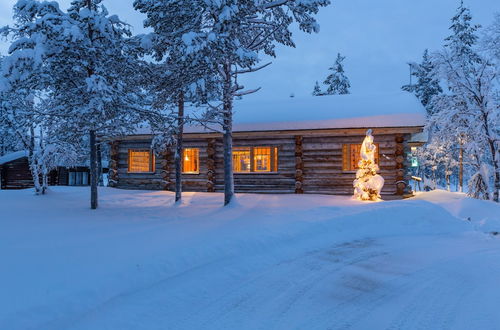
(13, 156)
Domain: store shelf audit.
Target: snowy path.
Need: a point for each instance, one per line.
(270, 263)
(357, 285)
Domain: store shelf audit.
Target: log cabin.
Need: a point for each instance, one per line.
(315, 150)
(15, 173)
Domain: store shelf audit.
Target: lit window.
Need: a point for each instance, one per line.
(262, 159)
(413, 157)
(351, 155)
(414, 162)
(191, 161)
(255, 159)
(141, 161)
(241, 160)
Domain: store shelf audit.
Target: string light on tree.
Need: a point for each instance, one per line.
(368, 183)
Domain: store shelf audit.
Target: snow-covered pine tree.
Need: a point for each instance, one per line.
(464, 37)
(337, 82)
(317, 90)
(85, 56)
(226, 38)
(469, 110)
(427, 85)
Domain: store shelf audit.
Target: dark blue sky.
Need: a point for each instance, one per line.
(377, 37)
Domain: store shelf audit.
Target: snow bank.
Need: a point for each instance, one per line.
(484, 215)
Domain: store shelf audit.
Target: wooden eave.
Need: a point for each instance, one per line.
(302, 132)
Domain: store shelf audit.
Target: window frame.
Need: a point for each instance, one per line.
(346, 156)
(250, 152)
(152, 161)
(273, 162)
(197, 160)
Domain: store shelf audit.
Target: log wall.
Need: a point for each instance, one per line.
(308, 163)
(322, 158)
(16, 174)
(282, 181)
(123, 179)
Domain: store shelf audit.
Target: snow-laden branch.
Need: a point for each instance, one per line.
(249, 91)
(252, 69)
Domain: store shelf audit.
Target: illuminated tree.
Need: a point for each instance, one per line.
(368, 183)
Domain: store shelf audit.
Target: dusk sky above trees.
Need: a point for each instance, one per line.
(377, 38)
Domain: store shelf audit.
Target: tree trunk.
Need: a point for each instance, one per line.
(448, 183)
(496, 180)
(461, 168)
(34, 168)
(178, 151)
(495, 154)
(93, 170)
(227, 138)
(100, 181)
(43, 164)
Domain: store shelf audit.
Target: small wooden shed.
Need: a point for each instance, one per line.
(15, 173)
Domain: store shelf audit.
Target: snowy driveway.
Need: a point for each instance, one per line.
(268, 262)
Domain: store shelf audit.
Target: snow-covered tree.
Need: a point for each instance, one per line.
(226, 37)
(86, 72)
(21, 120)
(337, 82)
(464, 37)
(317, 90)
(172, 81)
(439, 159)
(468, 113)
(491, 38)
(8, 139)
(427, 85)
(18, 122)
(368, 183)
(22, 87)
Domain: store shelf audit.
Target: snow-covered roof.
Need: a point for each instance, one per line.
(254, 113)
(13, 156)
(254, 108)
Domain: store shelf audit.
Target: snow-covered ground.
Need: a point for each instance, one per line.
(266, 262)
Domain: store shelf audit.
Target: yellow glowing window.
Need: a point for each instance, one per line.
(262, 159)
(191, 161)
(141, 161)
(255, 159)
(241, 159)
(351, 154)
